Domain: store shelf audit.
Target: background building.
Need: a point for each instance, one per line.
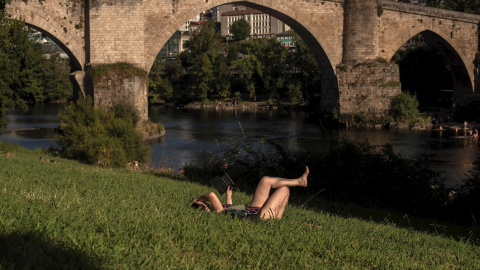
(175, 45)
(261, 24)
(286, 39)
(217, 11)
(49, 47)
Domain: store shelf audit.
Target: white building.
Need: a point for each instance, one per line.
(218, 11)
(185, 27)
(261, 24)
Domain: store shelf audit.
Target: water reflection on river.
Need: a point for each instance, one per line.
(190, 131)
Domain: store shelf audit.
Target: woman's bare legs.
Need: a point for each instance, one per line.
(276, 204)
(262, 191)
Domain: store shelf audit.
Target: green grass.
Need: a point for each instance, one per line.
(70, 215)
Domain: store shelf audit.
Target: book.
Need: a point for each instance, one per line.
(221, 183)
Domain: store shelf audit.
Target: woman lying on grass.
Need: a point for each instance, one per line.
(262, 205)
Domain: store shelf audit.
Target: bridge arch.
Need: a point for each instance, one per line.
(328, 55)
(45, 23)
(462, 81)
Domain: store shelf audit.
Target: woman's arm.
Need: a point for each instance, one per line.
(213, 199)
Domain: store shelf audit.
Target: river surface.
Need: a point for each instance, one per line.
(190, 131)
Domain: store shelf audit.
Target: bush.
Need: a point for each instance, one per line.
(465, 206)
(10, 147)
(108, 138)
(404, 107)
(361, 173)
(347, 170)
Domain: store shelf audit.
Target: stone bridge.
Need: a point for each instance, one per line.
(353, 41)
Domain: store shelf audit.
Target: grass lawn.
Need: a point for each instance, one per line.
(70, 215)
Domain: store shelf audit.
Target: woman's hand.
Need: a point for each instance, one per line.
(229, 191)
(211, 198)
(202, 204)
(229, 195)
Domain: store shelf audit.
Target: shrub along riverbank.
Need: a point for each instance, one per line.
(70, 215)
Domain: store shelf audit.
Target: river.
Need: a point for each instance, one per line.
(190, 131)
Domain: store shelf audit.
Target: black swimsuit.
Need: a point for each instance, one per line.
(242, 212)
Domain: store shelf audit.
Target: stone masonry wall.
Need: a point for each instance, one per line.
(367, 87)
(61, 20)
(359, 32)
(117, 32)
(113, 89)
(320, 22)
(456, 35)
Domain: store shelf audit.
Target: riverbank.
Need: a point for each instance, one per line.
(232, 104)
(18, 129)
(64, 214)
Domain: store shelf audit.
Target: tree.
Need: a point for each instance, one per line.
(306, 70)
(247, 69)
(56, 81)
(165, 81)
(275, 68)
(26, 76)
(203, 40)
(207, 69)
(469, 6)
(202, 76)
(20, 65)
(161, 90)
(240, 30)
(223, 76)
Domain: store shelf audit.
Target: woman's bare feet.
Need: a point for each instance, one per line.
(303, 179)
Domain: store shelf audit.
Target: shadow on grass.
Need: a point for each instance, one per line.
(459, 232)
(307, 200)
(33, 251)
(304, 198)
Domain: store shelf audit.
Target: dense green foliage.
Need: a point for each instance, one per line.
(26, 75)
(467, 200)
(469, 6)
(99, 136)
(380, 178)
(66, 215)
(211, 69)
(240, 30)
(404, 107)
(120, 69)
(56, 81)
(166, 81)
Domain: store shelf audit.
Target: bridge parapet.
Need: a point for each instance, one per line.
(431, 12)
